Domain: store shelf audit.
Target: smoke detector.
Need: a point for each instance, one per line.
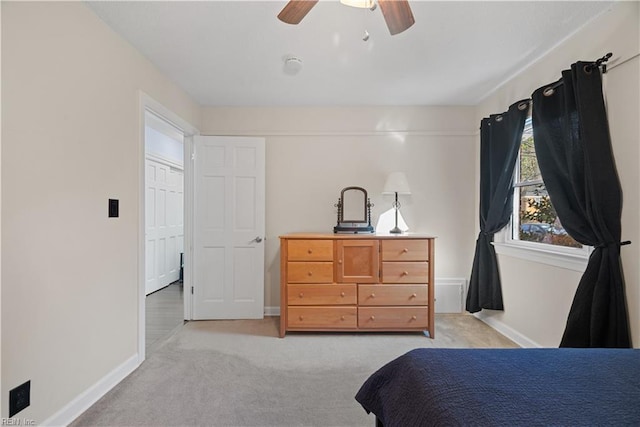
(292, 65)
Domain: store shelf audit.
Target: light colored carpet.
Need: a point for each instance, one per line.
(239, 373)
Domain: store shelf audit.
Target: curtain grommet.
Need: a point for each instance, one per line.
(587, 69)
(523, 106)
(499, 118)
(548, 91)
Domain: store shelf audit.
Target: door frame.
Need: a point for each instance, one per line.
(147, 103)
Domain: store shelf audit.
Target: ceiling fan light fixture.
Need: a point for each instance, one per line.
(363, 4)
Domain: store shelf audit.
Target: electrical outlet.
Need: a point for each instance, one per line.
(19, 398)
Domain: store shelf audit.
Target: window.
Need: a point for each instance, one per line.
(534, 219)
(535, 231)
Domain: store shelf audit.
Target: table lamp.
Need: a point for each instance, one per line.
(396, 184)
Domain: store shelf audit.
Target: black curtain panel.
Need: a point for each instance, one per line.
(573, 147)
(500, 137)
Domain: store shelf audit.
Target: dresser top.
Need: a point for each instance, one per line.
(355, 236)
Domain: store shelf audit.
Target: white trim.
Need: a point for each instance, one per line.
(542, 255)
(272, 311)
(188, 190)
(505, 330)
(148, 104)
(165, 161)
(83, 401)
(157, 123)
(142, 292)
(305, 133)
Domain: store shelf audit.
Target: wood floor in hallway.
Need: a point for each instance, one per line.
(164, 314)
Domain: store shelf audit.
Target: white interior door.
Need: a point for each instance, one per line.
(164, 224)
(229, 224)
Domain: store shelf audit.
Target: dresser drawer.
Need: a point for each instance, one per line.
(392, 295)
(310, 272)
(393, 317)
(322, 317)
(326, 294)
(405, 272)
(310, 250)
(405, 250)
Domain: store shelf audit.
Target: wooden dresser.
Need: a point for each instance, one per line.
(356, 282)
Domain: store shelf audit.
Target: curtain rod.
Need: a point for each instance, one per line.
(623, 62)
(601, 62)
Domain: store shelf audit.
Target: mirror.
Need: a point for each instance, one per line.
(354, 205)
(354, 211)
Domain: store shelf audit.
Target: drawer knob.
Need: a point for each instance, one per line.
(310, 273)
(341, 317)
(301, 294)
(405, 273)
(373, 295)
(342, 294)
(405, 250)
(413, 295)
(414, 318)
(373, 318)
(309, 251)
(339, 261)
(301, 317)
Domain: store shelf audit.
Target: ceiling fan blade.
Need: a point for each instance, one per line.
(295, 10)
(397, 14)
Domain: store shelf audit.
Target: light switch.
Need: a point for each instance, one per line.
(113, 208)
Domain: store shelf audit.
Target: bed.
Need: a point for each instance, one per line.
(506, 387)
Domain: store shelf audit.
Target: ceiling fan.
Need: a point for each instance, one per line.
(397, 13)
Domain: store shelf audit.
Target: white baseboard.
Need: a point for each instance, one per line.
(90, 396)
(272, 311)
(507, 331)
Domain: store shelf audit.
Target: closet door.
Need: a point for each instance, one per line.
(164, 224)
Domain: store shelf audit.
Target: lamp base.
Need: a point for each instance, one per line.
(395, 230)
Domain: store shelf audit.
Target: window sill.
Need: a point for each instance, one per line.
(575, 262)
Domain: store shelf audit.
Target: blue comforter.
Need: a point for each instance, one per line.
(506, 387)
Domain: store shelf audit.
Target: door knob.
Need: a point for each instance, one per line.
(257, 239)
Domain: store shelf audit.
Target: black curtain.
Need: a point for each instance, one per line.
(573, 147)
(500, 137)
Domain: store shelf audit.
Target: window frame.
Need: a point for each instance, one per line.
(560, 256)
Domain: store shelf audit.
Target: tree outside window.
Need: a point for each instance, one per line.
(535, 219)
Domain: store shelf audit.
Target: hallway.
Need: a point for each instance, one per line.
(164, 314)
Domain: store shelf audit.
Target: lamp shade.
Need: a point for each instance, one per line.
(396, 183)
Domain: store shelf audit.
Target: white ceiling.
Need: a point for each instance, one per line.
(231, 53)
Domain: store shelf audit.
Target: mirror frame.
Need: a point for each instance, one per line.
(354, 226)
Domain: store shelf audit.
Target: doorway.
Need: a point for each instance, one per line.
(163, 229)
(231, 171)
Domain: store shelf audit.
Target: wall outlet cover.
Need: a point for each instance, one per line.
(19, 398)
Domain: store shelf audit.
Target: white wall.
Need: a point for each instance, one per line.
(537, 297)
(71, 139)
(312, 153)
(1, 380)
